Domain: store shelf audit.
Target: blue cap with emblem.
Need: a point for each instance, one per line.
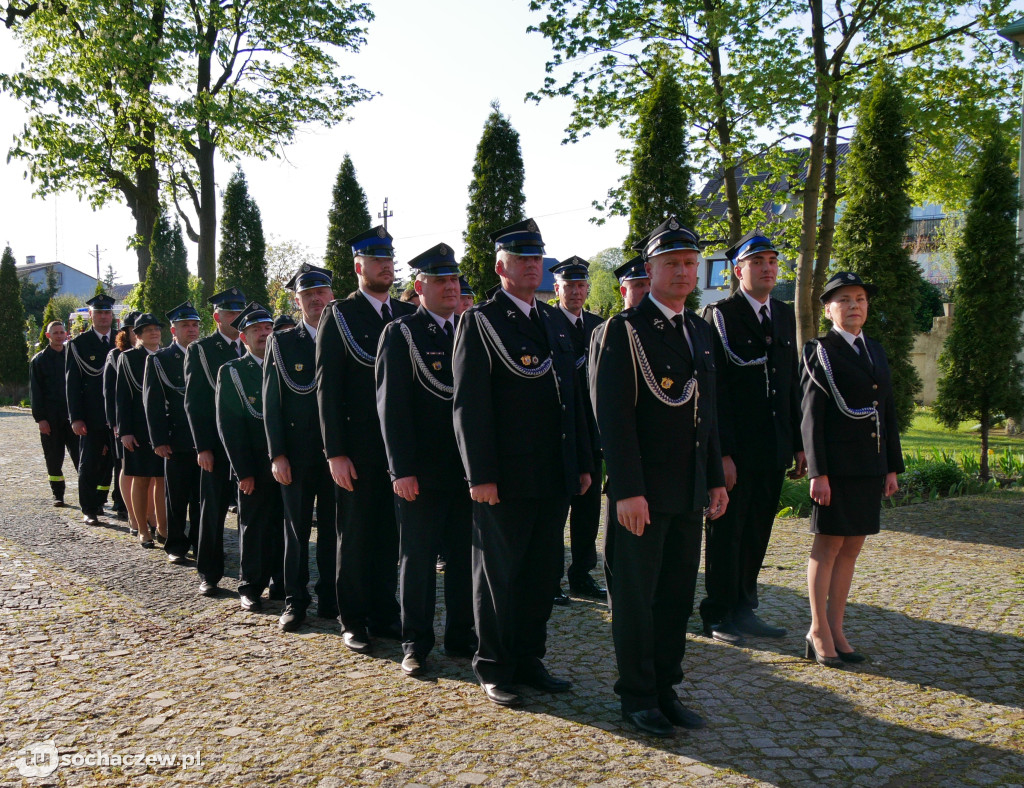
(436, 261)
(751, 243)
(231, 300)
(575, 269)
(845, 279)
(522, 238)
(375, 242)
(284, 321)
(464, 288)
(146, 319)
(100, 303)
(631, 269)
(668, 236)
(181, 312)
(308, 277)
(251, 314)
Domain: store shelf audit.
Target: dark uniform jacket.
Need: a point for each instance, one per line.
(84, 377)
(670, 454)
(130, 411)
(581, 345)
(240, 417)
(414, 401)
(290, 413)
(48, 386)
(346, 388)
(202, 360)
(758, 404)
(110, 386)
(835, 443)
(164, 394)
(524, 431)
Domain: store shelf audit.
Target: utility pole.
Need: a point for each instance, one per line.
(385, 214)
(97, 256)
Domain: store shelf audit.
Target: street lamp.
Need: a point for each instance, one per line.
(1014, 33)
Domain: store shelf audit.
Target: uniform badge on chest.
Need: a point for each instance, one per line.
(526, 360)
(299, 367)
(252, 400)
(437, 366)
(666, 383)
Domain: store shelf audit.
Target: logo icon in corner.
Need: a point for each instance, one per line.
(38, 760)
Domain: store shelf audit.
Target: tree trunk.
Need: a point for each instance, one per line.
(983, 471)
(829, 200)
(207, 258)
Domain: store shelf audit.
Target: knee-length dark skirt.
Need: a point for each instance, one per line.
(854, 509)
(143, 462)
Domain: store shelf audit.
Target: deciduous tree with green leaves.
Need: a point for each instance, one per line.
(243, 260)
(348, 216)
(496, 197)
(13, 348)
(981, 372)
(167, 281)
(870, 235)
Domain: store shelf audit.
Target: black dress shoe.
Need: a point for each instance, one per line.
(357, 640)
(277, 594)
(503, 697)
(327, 612)
(175, 558)
(650, 721)
(291, 619)
(462, 652)
(250, 603)
(89, 518)
(539, 678)
(562, 599)
(233, 509)
(724, 632)
(821, 659)
(751, 624)
(58, 502)
(392, 631)
(412, 665)
(587, 586)
(676, 713)
(207, 588)
(851, 657)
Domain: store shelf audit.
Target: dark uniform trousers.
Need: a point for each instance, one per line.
(662, 446)
(50, 404)
(367, 578)
(203, 359)
(584, 510)
(438, 521)
(239, 403)
(759, 427)
(168, 426)
(110, 408)
(84, 376)
(291, 420)
(517, 543)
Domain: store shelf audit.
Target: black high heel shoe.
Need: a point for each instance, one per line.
(828, 662)
(851, 657)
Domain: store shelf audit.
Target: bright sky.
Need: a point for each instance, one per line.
(437, 65)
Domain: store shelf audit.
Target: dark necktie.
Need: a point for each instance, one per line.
(865, 359)
(677, 321)
(238, 348)
(449, 329)
(385, 312)
(106, 342)
(535, 317)
(766, 324)
(579, 324)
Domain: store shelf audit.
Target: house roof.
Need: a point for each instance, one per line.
(28, 269)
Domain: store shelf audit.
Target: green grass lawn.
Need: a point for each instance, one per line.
(927, 435)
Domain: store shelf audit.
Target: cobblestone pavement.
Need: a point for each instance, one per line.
(105, 648)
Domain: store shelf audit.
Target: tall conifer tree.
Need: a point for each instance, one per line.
(166, 283)
(13, 348)
(496, 197)
(982, 374)
(870, 236)
(243, 251)
(348, 216)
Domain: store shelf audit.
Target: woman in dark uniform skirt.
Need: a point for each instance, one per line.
(143, 468)
(125, 340)
(853, 456)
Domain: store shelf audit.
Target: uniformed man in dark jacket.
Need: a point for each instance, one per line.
(522, 433)
(110, 406)
(216, 488)
(572, 285)
(169, 431)
(291, 419)
(346, 350)
(414, 400)
(86, 407)
(50, 407)
(240, 425)
(653, 389)
(759, 429)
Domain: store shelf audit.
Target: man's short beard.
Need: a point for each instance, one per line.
(376, 286)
